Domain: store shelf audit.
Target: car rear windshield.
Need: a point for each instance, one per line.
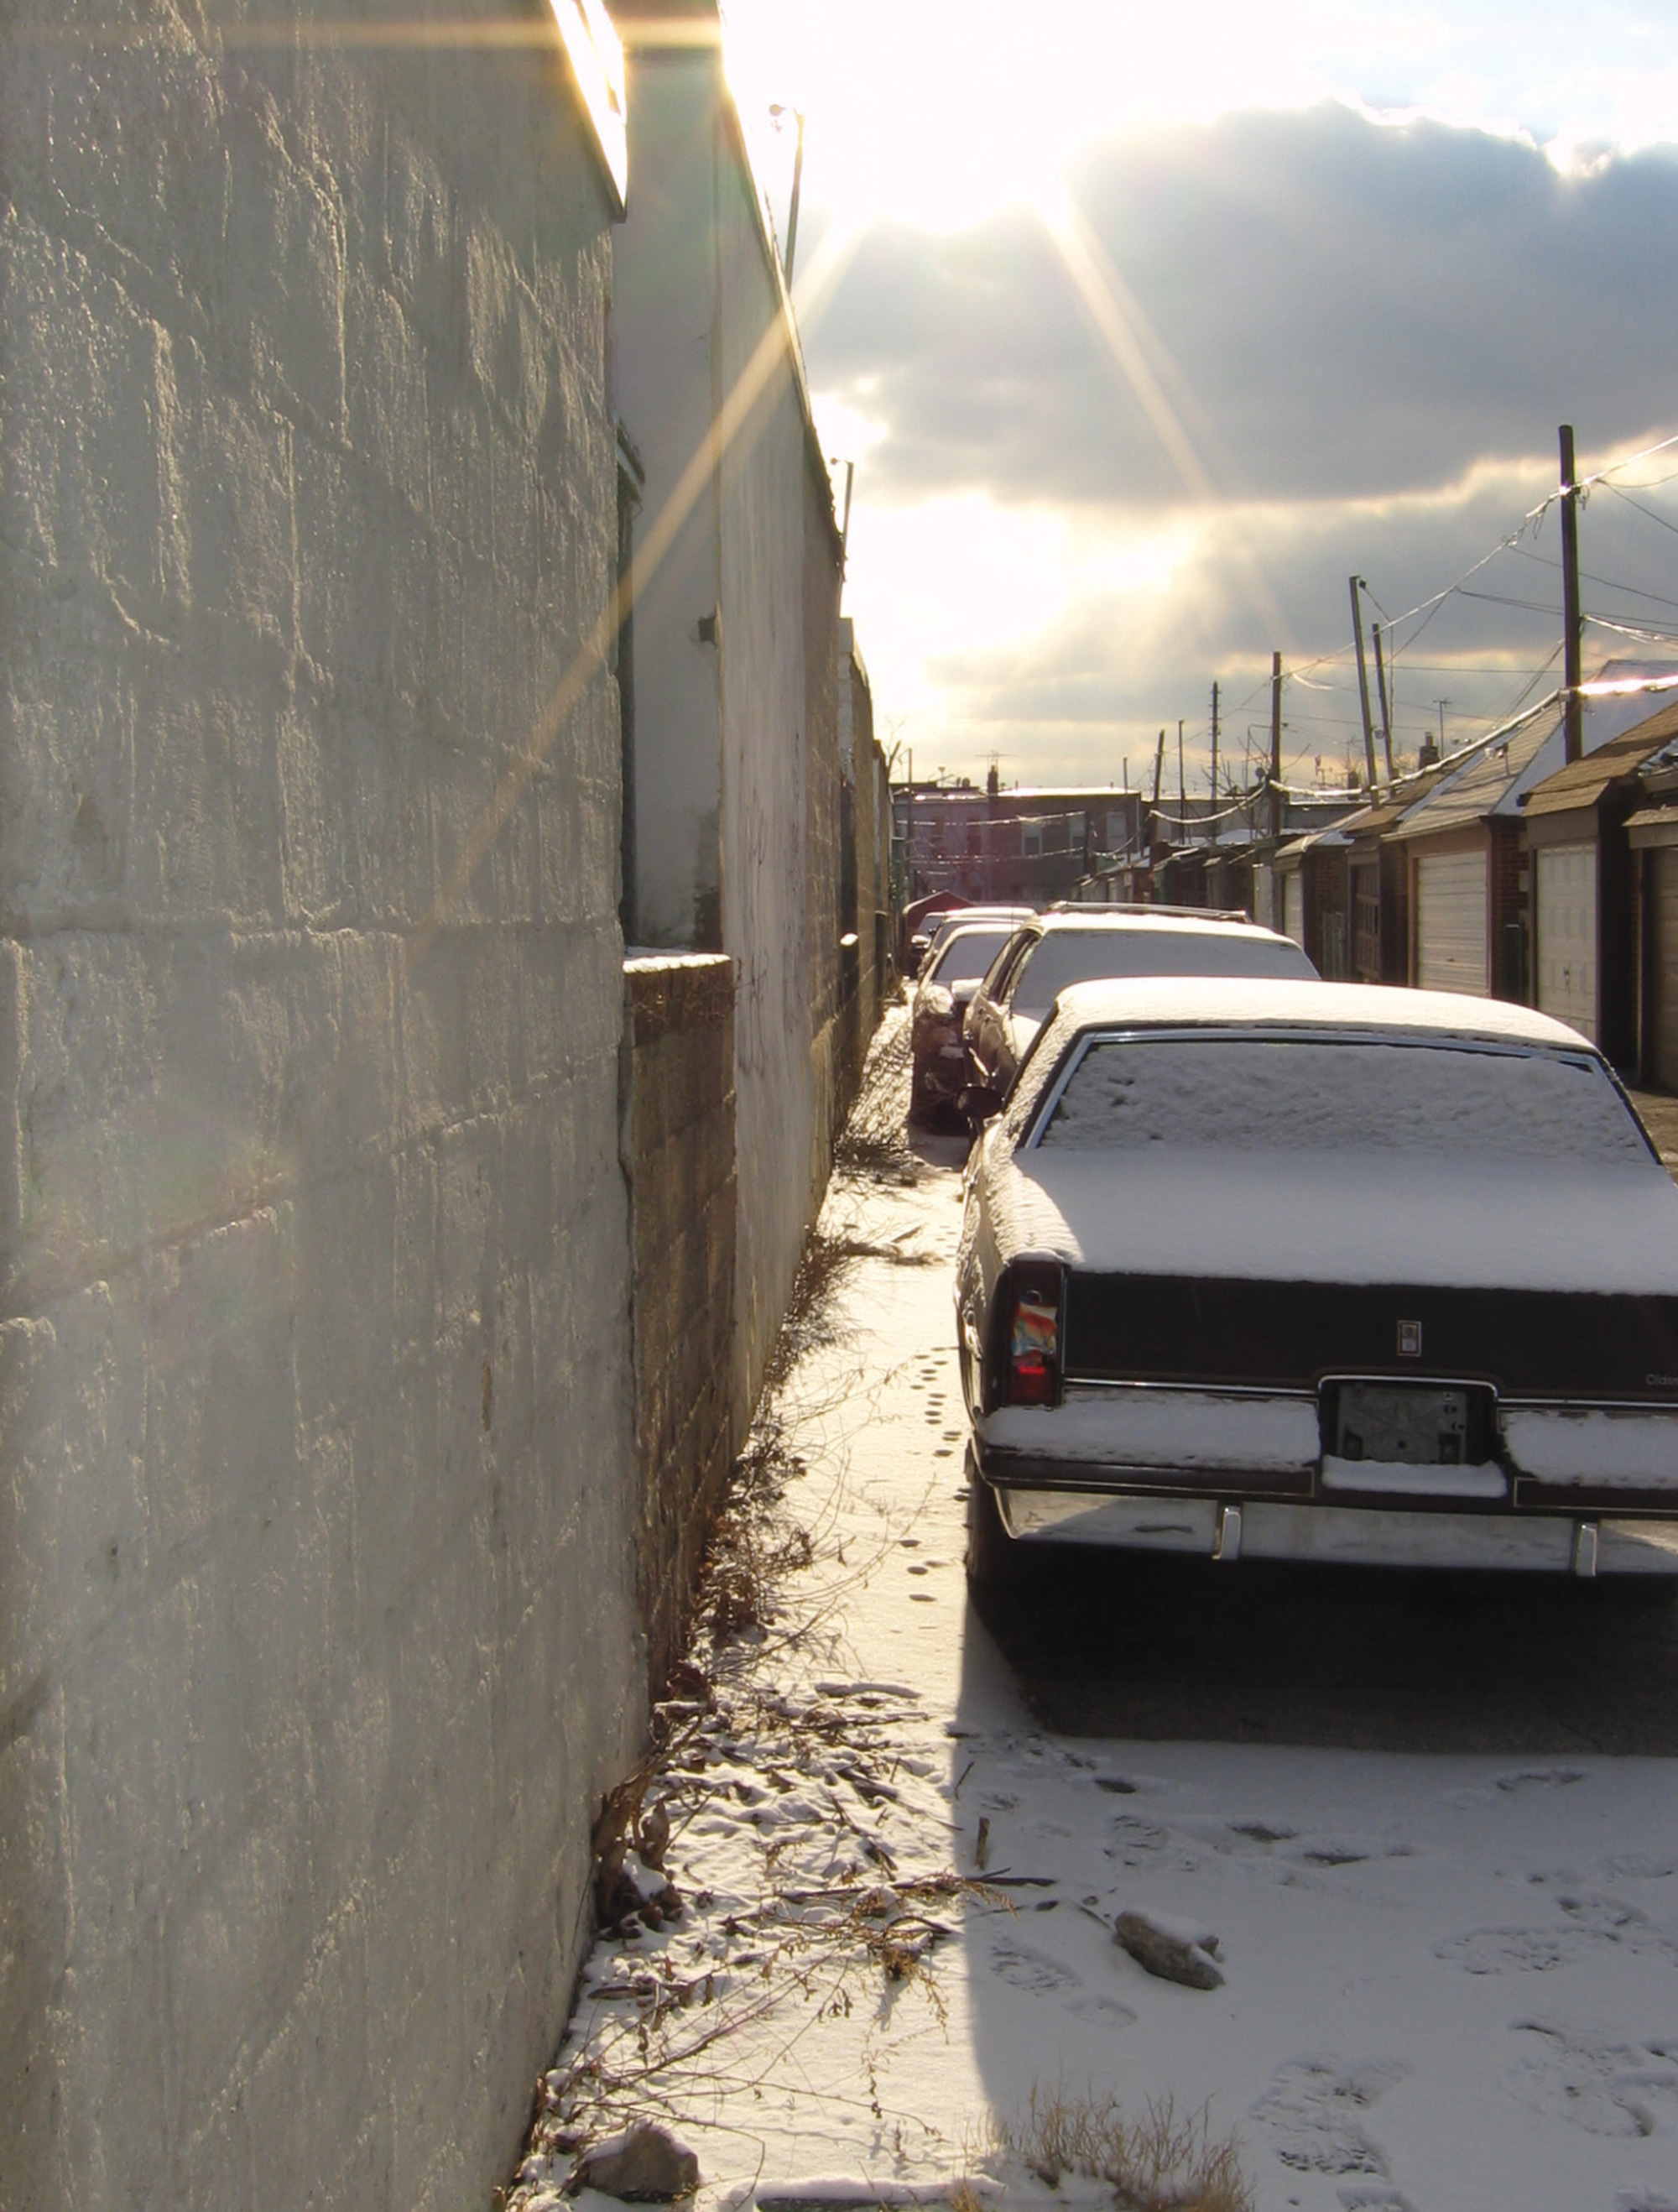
(1090, 956)
(1302, 1094)
(966, 958)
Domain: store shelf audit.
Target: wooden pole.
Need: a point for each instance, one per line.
(1275, 746)
(1572, 626)
(1381, 686)
(1363, 677)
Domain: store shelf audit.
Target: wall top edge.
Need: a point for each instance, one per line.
(643, 960)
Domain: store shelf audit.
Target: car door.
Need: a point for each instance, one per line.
(1014, 1032)
(987, 1028)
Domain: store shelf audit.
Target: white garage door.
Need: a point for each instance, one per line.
(1451, 923)
(1293, 907)
(1567, 934)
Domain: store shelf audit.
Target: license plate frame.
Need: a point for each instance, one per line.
(1399, 1423)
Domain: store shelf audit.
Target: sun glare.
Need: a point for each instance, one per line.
(940, 113)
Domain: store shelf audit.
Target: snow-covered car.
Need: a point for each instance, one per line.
(1053, 950)
(936, 926)
(952, 973)
(1319, 1271)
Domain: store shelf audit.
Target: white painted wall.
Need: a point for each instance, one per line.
(736, 742)
(316, 1603)
(664, 374)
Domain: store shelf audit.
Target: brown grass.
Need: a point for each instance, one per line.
(1159, 2162)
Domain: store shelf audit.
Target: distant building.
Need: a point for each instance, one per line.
(1028, 843)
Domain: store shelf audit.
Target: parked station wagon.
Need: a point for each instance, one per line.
(1051, 951)
(1319, 1271)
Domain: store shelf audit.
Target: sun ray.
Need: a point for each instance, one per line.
(816, 282)
(1135, 347)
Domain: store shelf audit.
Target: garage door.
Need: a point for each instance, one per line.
(1567, 934)
(1293, 907)
(1451, 923)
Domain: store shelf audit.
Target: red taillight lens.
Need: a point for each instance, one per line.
(1033, 1369)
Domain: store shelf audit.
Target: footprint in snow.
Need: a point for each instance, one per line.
(1141, 1846)
(1513, 1950)
(1519, 1782)
(1641, 1866)
(1102, 2012)
(1346, 1850)
(1312, 2114)
(1606, 2086)
(1375, 2197)
(1023, 1968)
(1593, 1924)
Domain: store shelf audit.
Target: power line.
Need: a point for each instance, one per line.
(1620, 494)
(1608, 583)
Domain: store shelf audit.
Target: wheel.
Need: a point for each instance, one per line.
(998, 1564)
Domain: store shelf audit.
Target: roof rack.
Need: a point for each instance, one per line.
(1147, 906)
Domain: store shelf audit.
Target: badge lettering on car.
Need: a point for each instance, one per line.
(1409, 1340)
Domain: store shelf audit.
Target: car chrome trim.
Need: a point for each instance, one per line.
(1343, 1536)
(1095, 1386)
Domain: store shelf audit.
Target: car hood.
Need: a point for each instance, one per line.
(1352, 1216)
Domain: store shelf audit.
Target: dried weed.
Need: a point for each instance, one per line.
(1160, 2162)
(875, 1139)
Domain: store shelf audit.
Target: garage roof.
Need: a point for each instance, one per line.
(1583, 782)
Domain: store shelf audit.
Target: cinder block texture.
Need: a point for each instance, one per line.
(318, 1511)
(685, 1206)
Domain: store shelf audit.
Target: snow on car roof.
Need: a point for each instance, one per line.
(1174, 925)
(1244, 1001)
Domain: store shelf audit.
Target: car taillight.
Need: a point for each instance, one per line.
(1031, 1373)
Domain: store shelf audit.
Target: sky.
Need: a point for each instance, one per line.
(1145, 329)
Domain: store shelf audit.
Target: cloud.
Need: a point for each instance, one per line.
(1354, 309)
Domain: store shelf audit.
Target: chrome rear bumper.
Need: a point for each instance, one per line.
(1345, 1535)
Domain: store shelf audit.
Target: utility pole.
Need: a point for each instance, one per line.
(1158, 771)
(1380, 685)
(1214, 759)
(1442, 704)
(1182, 786)
(1275, 746)
(1572, 627)
(1363, 677)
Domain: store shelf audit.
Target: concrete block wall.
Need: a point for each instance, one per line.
(316, 1517)
(684, 1189)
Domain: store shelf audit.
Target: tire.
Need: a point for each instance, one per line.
(998, 1566)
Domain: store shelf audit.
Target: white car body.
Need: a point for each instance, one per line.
(1403, 1289)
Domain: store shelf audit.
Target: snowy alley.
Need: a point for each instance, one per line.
(1427, 1836)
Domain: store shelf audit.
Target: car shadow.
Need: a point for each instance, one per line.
(1166, 1648)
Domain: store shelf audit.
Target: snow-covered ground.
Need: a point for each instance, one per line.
(1450, 1981)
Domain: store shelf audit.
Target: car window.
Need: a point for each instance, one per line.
(965, 959)
(1314, 1095)
(998, 981)
(1088, 956)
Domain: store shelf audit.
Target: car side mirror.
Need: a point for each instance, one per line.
(980, 1103)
